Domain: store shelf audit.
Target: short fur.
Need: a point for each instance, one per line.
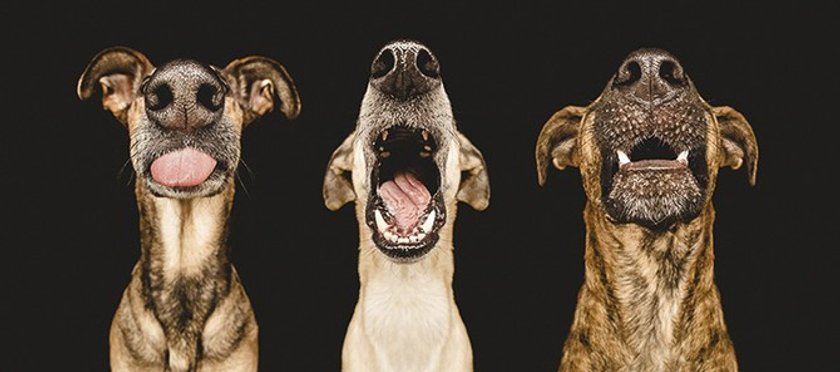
(406, 318)
(185, 308)
(648, 301)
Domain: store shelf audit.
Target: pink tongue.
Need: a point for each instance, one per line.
(406, 198)
(183, 168)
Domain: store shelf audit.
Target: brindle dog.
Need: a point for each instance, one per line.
(648, 150)
(185, 308)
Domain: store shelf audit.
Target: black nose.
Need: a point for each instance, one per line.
(651, 75)
(405, 69)
(184, 95)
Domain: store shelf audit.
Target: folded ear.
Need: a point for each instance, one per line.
(256, 81)
(475, 184)
(119, 72)
(558, 141)
(338, 181)
(738, 143)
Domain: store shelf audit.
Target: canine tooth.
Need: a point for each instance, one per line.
(425, 154)
(385, 154)
(389, 236)
(683, 157)
(622, 157)
(380, 221)
(429, 222)
(385, 135)
(403, 240)
(427, 148)
(425, 135)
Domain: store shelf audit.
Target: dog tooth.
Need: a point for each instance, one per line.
(622, 158)
(427, 148)
(380, 221)
(414, 239)
(424, 154)
(385, 135)
(683, 157)
(389, 235)
(403, 240)
(425, 135)
(385, 154)
(429, 222)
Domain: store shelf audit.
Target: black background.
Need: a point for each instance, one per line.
(70, 221)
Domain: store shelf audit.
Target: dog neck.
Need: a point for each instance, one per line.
(657, 288)
(183, 265)
(407, 309)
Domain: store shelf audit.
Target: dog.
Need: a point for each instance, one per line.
(406, 166)
(185, 308)
(648, 149)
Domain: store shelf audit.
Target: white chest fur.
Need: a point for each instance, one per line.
(406, 317)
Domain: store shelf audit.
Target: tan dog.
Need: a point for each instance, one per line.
(403, 167)
(185, 308)
(648, 149)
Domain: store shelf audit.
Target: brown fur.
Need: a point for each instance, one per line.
(648, 301)
(185, 308)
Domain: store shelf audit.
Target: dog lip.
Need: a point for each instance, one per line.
(653, 165)
(401, 247)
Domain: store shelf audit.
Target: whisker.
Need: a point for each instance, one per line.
(241, 183)
(247, 169)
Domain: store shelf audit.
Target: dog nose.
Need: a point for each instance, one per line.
(650, 75)
(184, 95)
(405, 69)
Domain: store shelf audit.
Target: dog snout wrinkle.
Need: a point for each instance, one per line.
(405, 69)
(184, 95)
(651, 76)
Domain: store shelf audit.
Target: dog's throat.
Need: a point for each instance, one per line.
(406, 198)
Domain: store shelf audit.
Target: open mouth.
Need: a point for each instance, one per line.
(405, 211)
(655, 183)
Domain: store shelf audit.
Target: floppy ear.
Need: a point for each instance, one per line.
(119, 72)
(475, 185)
(256, 81)
(558, 141)
(338, 182)
(738, 143)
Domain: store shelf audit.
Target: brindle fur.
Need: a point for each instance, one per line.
(185, 308)
(648, 301)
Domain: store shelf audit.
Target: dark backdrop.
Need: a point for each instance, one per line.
(70, 222)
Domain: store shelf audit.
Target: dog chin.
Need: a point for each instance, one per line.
(212, 186)
(654, 199)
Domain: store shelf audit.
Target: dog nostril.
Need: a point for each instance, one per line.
(671, 73)
(383, 64)
(427, 64)
(160, 97)
(629, 74)
(208, 97)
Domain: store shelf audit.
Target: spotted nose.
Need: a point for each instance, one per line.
(184, 95)
(405, 69)
(651, 75)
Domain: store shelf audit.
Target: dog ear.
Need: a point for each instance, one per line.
(338, 182)
(256, 81)
(738, 143)
(558, 141)
(119, 72)
(475, 184)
